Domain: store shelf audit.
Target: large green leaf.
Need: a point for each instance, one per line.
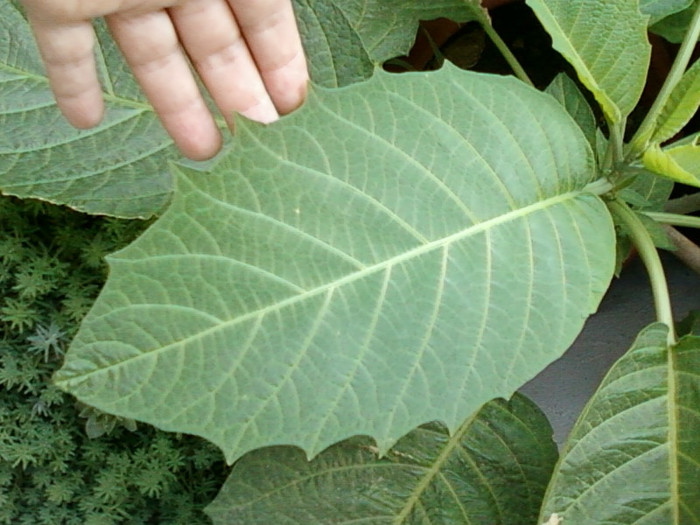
(634, 454)
(493, 469)
(396, 252)
(120, 167)
(607, 44)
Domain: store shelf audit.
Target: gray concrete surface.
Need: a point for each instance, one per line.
(564, 387)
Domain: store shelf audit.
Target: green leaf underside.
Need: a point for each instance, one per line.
(567, 93)
(634, 454)
(346, 40)
(659, 9)
(681, 106)
(494, 469)
(118, 168)
(398, 252)
(606, 42)
(673, 28)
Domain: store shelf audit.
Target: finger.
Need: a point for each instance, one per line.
(270, 29)
(72, 10)
(222, 59)
(67, 52)
(150, 45)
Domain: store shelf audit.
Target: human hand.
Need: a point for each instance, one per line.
(247, 53)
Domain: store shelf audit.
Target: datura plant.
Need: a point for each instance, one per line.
(346, 300)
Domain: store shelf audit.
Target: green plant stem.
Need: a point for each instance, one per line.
(614, 154)
(510, 57)
(641, 138)
(674, 219)
(647, 251)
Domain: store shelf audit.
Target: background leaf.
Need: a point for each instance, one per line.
(647, 191)
(634, 454)
(494, 469)
(567, 93)
(118, 168)
(346, 40)
(681, 105)
(690, 325)
(396, 252)
(659, 9)
(606, 42)
(673, 28)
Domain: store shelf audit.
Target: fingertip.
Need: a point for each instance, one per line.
(200, 142)
(83, 112)
(289, 85)
(293, 98)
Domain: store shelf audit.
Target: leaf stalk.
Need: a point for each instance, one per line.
(650, 256)
(507, 54)
(614, 154)
(674, 219)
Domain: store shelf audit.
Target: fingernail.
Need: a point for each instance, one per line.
(264, 112)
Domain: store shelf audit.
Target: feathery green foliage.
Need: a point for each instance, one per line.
(51, 470)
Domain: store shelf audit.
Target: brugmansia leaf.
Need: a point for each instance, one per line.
(673, 28)
(396, 252)
(570, 97)
(347, 39)
(690, 325)
(634, 454)
(493, 469)
(337, 55)
(607, 44)
(681, 105)
(659, 9)
(647, 191)
(680, 163)
(118, 168)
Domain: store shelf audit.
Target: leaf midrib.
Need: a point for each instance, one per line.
(673, 419)
(296, 482)
(324, 288)
(427, 478)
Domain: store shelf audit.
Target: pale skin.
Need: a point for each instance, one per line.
(247, 53)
